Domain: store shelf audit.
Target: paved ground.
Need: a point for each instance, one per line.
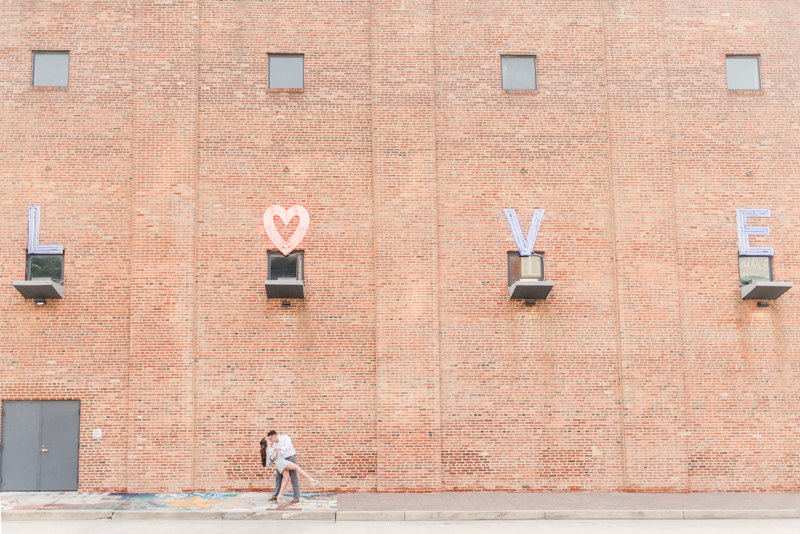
(568, 501)
(60, 506)
(770, 526)
(160, 502)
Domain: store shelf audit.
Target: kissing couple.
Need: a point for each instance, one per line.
(278, 451)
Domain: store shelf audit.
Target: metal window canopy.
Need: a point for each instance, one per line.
(764, 290)
(530, 289)
(39, 288)
(285, 289)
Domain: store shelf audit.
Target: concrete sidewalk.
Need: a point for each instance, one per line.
(37, 506)
(400, 507)
(466, 506)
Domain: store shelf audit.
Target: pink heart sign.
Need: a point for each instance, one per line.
(286, 216)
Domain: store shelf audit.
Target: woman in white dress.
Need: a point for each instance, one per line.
(273, 456)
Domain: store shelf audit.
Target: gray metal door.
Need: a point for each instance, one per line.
(39, 450)
(19, 463)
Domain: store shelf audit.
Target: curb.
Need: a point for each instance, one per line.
(394, 515)
(613, 514)
(741, 514)
(474, 515)
(276, 515)
(371, 516)
(56, 515)
(135, 515)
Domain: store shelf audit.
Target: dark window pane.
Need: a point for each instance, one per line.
(51, 69)
(519, 72)
(285, 267)
(743, 73)
(286, 72)
(754, 268)
(46, 266)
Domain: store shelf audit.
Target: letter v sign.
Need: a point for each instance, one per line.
(33, 235)
(525, 247)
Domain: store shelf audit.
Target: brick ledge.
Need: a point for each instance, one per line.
(748, 92)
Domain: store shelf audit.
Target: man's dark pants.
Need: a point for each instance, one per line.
(279, 479)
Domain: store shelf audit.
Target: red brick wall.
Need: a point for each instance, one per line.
(407, 368)
(76, 348)
(163, 246)
(642, 195)
(741, 365)
(308, 370)
(530, 395)
(406, 246)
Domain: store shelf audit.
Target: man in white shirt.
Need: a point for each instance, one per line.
(283, 445)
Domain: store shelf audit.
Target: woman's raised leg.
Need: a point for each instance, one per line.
(294, 467)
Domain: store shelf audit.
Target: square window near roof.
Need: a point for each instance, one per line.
(743, 73)
(51, 69)
(286, 72)
(519, 72)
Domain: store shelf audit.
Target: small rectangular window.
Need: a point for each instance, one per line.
(531, 267)
(286, 71)
(744, 73)
(51, 69)
(45, 266)
(754, 268)
(525, 267)
(518, 72)
(282, 267)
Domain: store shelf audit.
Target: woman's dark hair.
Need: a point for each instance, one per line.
(264, 452)
(272, 433)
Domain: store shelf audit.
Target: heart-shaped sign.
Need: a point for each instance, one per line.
(286, 216)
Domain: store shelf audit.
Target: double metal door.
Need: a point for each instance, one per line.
(39, 447)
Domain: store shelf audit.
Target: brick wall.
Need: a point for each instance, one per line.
(163, 246)
(406, 367)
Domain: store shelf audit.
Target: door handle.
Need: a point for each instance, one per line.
(44, 450)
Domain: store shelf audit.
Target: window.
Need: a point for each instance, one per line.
(518, 72)
(744, 73)
(50, 69)
(280, 267)
(525, 267)
(752, 268)
(45, 266)
(531, 267)
(286, 72)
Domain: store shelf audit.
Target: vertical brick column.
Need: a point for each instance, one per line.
(651, 359)
(406, 257)
(163, 247)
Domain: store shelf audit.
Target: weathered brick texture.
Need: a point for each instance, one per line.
(406, 367)
(406, 253)
(642, 194)
(163, 205)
